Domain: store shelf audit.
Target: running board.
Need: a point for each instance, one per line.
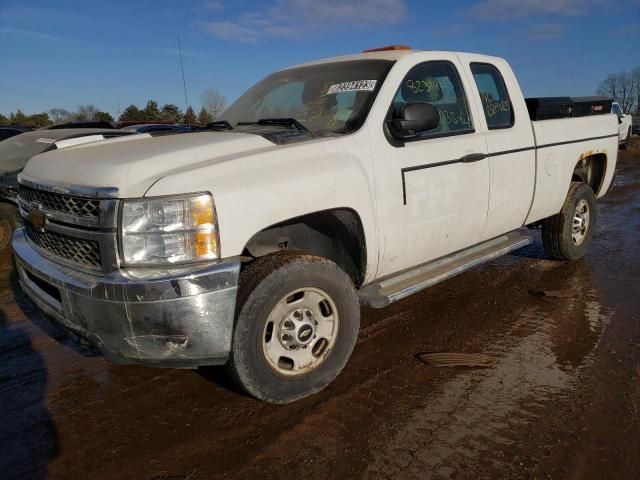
(382, 292)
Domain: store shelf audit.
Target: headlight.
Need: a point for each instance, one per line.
(169, 230)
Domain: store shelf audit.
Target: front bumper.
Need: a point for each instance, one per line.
(179, 317)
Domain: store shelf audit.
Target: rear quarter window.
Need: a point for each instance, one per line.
(494, 96)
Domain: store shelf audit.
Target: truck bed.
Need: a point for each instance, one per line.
(560, 144)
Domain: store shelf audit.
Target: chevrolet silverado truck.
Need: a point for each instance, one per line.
(353, 180)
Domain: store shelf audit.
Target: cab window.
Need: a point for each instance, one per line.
(615, 108)
(494, 96)
(437, 83)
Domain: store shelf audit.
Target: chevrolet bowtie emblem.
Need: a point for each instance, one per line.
(37, 218)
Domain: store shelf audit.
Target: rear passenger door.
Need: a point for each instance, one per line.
(511, 146)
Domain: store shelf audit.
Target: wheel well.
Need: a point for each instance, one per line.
(591, 170)
(334, 234)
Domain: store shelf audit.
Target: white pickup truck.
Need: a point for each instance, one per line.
(624, 125)
(357, 179)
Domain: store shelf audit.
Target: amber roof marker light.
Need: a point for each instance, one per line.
(390, 47)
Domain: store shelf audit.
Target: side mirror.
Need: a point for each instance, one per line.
(413, 119)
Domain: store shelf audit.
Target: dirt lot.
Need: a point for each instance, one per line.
(562, 401)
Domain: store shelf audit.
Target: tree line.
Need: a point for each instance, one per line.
(624, 88)
(213, 103)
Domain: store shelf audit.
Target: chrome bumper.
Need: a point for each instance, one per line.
(175, 317)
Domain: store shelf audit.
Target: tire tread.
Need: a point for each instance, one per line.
(250, 278)
(557, 243)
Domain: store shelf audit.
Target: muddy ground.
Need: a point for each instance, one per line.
(562, 400)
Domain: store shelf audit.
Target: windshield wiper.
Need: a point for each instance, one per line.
(285, 121)
(218, 125)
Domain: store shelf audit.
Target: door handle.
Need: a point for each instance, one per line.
(473, 157)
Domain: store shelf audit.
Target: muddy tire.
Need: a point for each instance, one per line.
(297, 322)
(625, 144)
(9, 221)
(567, 235)
(628, 141)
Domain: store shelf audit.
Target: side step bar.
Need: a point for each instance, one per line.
(387, 290)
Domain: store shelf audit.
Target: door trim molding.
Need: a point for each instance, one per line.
(424, 166)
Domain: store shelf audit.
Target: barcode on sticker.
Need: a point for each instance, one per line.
(353, 86)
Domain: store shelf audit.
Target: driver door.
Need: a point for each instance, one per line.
(440, 202)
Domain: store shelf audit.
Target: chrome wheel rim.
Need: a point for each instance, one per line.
(580, 225)
(300, 331)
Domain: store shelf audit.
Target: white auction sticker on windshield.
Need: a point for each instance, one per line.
(353, 86)
(45, 140)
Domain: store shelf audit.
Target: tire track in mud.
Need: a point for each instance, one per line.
(470, 420)
(304, 431)
(471, 426)
(364, 403)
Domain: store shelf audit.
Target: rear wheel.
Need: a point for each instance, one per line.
(625, 144)
(567, 235)
(297, 323)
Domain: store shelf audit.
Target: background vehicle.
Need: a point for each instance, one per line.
(635, 128)
(82, 124)
(8, 131)
(156, 128)
(14, 154)
(362, 178)
(624, 125)
(129, 123)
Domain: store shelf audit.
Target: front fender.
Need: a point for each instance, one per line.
(256, 191)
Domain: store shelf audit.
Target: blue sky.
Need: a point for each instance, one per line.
(114, 53)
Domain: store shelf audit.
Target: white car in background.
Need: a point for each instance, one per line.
(624, 125)
(16, 151)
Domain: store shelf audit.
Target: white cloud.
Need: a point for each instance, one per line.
(30, 33)
(509, 9)
(231, 31)
(314, 12)
(214, 7)
(291, 18)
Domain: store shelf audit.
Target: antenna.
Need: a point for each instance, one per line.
(184, 84)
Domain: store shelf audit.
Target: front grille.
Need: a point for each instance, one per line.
(78, 250)
(58, 202)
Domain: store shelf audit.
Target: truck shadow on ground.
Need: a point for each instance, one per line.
(28, 435)
(219, 376)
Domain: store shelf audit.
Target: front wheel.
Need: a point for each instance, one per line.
(297, 323)
(567, 235)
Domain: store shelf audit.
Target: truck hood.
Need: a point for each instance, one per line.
(133, 165)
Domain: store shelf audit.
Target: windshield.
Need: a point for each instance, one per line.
(16, 151)
(326, 99)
